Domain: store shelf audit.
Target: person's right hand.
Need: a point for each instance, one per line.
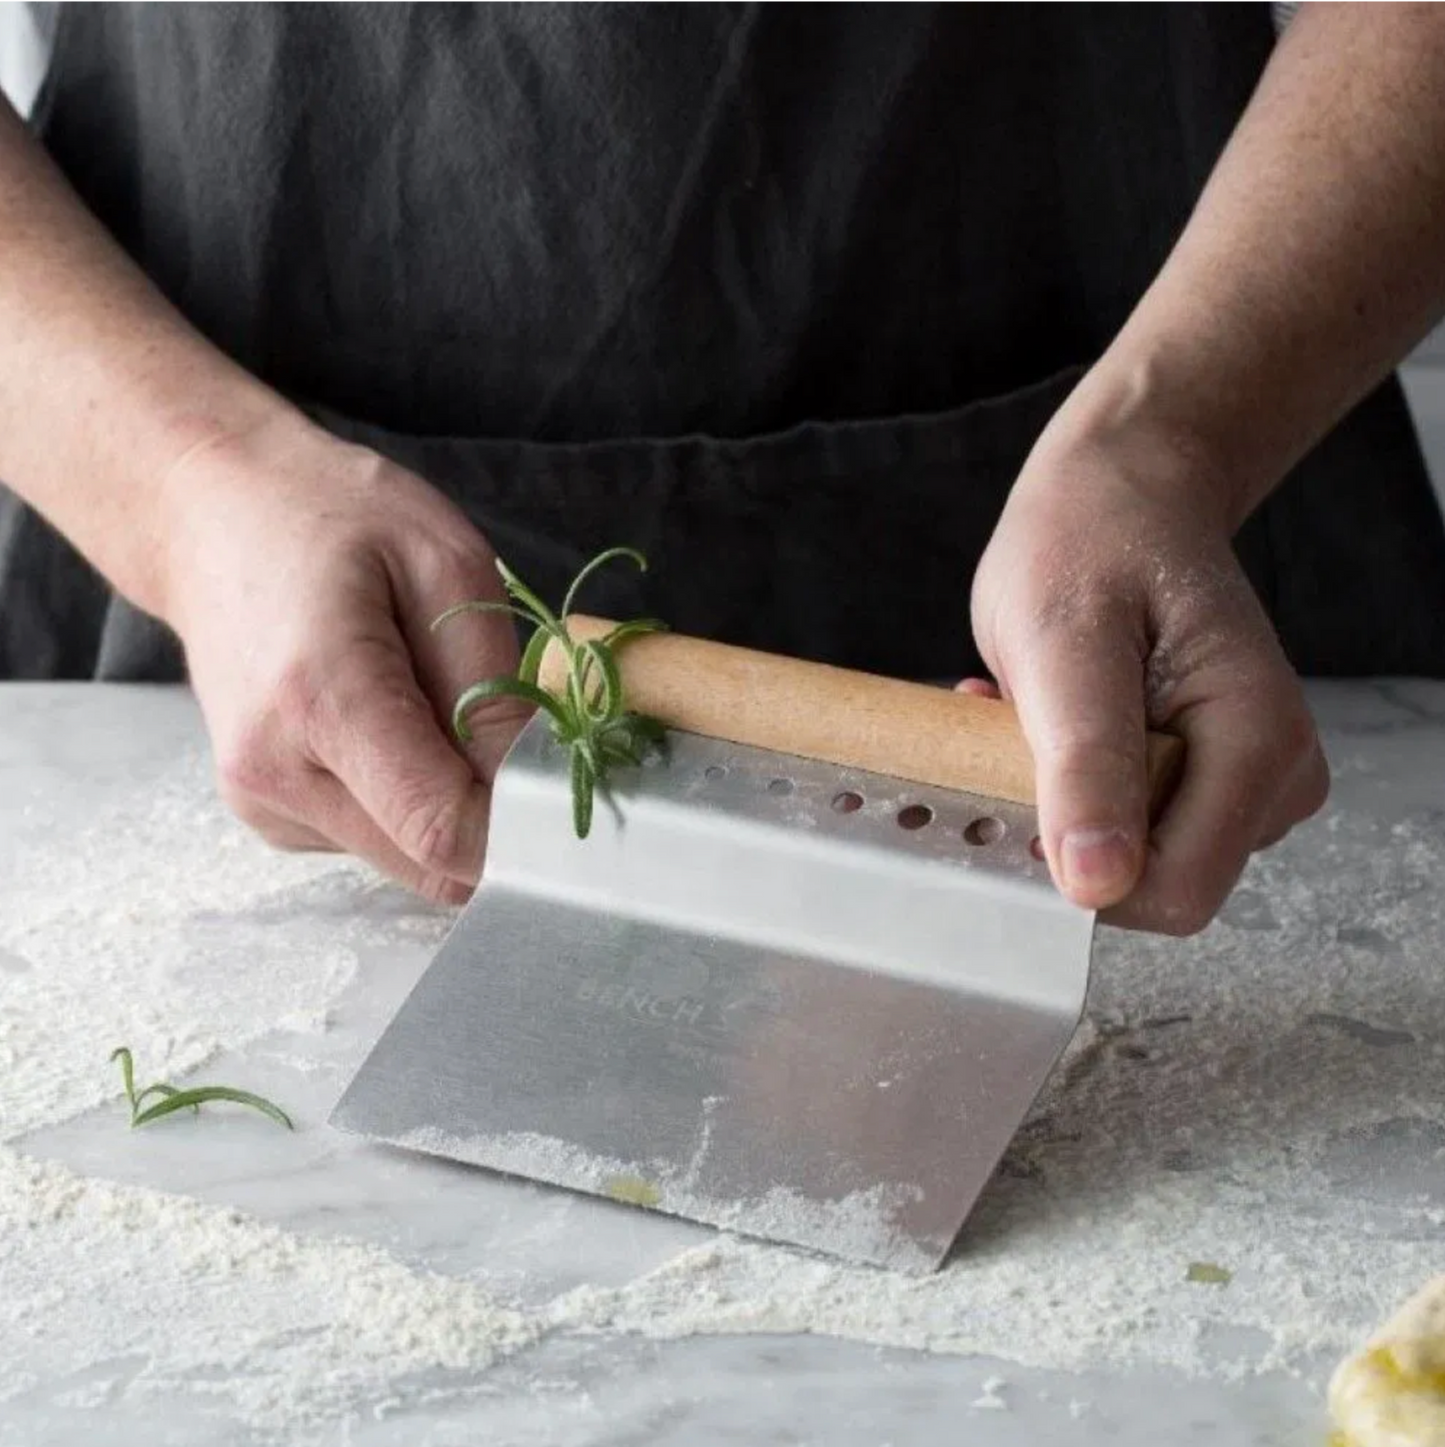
(302, 575)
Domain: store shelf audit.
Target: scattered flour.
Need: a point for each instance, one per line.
(173, 1293)
(127, 931)
(860, 1225)
(991, 1398)
(1233, 1099)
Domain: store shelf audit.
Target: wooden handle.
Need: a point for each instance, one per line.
(911, 731)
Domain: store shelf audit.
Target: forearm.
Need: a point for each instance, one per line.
(1313, 263)
(103, 385)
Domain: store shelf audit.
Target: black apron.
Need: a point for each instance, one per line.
(781, 295)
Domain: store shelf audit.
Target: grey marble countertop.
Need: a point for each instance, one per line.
(63, 749)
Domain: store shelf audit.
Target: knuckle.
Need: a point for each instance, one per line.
(1070, 600)
(1091, 750)
(1298, 739)
(363, 464)
(243, 804)
(1317, 786)
(451, 567)
(262, 758)
(361, 689)
(440, 891)
(1286, 763)
(1184, 913)
(280, 833)
(1091, 763)
(432, 830)
(298, 700)
(1189, 918)
(1306, 792)
(250, 769)
(1175, 903)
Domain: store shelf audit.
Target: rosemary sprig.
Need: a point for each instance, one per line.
(589, 717)
(171, 1099)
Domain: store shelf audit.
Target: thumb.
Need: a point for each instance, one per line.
(1080, 700)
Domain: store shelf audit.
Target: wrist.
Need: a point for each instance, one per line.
(205, 456)
(106, 457)
(1142, 414)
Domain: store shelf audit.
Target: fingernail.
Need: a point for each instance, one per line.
(1099, 863)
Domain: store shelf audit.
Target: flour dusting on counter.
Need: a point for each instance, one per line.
(168, 1292)
(860, 1224)
(1264, 1099)
(127, 931)
(1228, 1101)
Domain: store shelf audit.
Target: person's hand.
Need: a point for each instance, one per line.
(302, 575)
(1109, 600)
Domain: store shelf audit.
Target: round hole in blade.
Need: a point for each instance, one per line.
(780, 786)
(713, 771)
(1036, 847)
(848, 802)
(914, 816)
(986, 830)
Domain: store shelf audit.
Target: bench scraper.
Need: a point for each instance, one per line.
(802, 982)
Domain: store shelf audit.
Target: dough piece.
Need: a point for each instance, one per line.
(1392, 1393)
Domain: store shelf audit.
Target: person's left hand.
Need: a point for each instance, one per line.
(1108, 600)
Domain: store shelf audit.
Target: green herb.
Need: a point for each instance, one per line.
(1206, 1273)
(171, 1099)
(589, 717)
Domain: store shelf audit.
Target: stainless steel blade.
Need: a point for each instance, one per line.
(753, 997)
